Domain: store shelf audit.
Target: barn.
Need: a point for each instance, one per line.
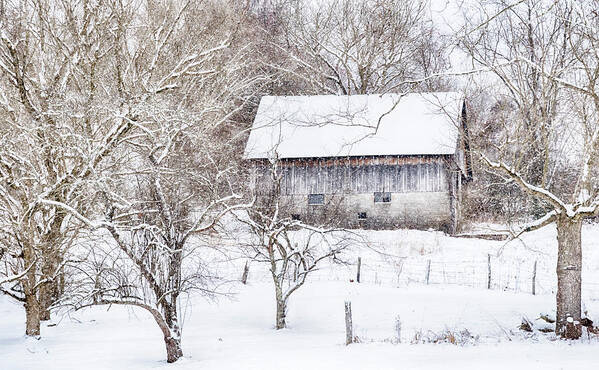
(363, 161)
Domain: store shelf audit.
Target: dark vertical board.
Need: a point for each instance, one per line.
(353, 178)
(287, 180)
(318, 177)
(401, 183)
(324, 177)
(370, 181)
(359, 177)
(339, 172)
(429, 177)
(439, 169)
(311, 179)
(393, 178)
(265, 179)
(415, 178)
(292, 178)
(443, 177)
(300, 170)
(385, 177)
(330, 176)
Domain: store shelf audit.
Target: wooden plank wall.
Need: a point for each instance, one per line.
(357, 175)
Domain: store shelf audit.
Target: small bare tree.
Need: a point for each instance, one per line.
(292, 249)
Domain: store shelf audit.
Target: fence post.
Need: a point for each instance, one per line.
(349, 335)
(359, 268)
(534, 278)
(489, 269)
(246, 271)
(428, 271)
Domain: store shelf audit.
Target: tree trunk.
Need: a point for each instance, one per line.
(173, 343)
(173, 348)
(170, 330)
(32, 308)
(49, 292)
(281, 315)
(281, 308)
(32, 315)
(46, 299)
(569, 263)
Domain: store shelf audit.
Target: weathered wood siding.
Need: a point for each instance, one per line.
(357, 175)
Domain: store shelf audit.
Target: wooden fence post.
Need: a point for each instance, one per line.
(349, 335)
(246, 271)
(489, 269)
(359, 269)
(428, 270)
(534, 278)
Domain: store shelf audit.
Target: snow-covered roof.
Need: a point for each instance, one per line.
(356, 125)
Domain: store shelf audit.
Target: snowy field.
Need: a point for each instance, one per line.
(237, 332)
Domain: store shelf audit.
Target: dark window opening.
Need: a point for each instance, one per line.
(382, 197)
(315, 199)
(362, 215)
(295, 217)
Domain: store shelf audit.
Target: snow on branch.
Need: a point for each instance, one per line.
(549, 218)
(539, 192)
(19, 275)
(92, 224)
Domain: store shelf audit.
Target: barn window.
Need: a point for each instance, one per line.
(382, 197)
(362, 215)
(315, 199)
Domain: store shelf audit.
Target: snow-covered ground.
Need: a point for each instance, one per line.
(237, 332)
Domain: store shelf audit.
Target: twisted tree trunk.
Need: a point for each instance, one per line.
(569, 264)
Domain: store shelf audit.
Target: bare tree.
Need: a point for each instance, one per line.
(157, 257)
(359, 47)
(544, 55)
(292, 249)
(175, 187)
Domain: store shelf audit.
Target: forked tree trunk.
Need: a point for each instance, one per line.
(569, 263)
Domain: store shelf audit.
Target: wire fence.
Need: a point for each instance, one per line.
(487, 272)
